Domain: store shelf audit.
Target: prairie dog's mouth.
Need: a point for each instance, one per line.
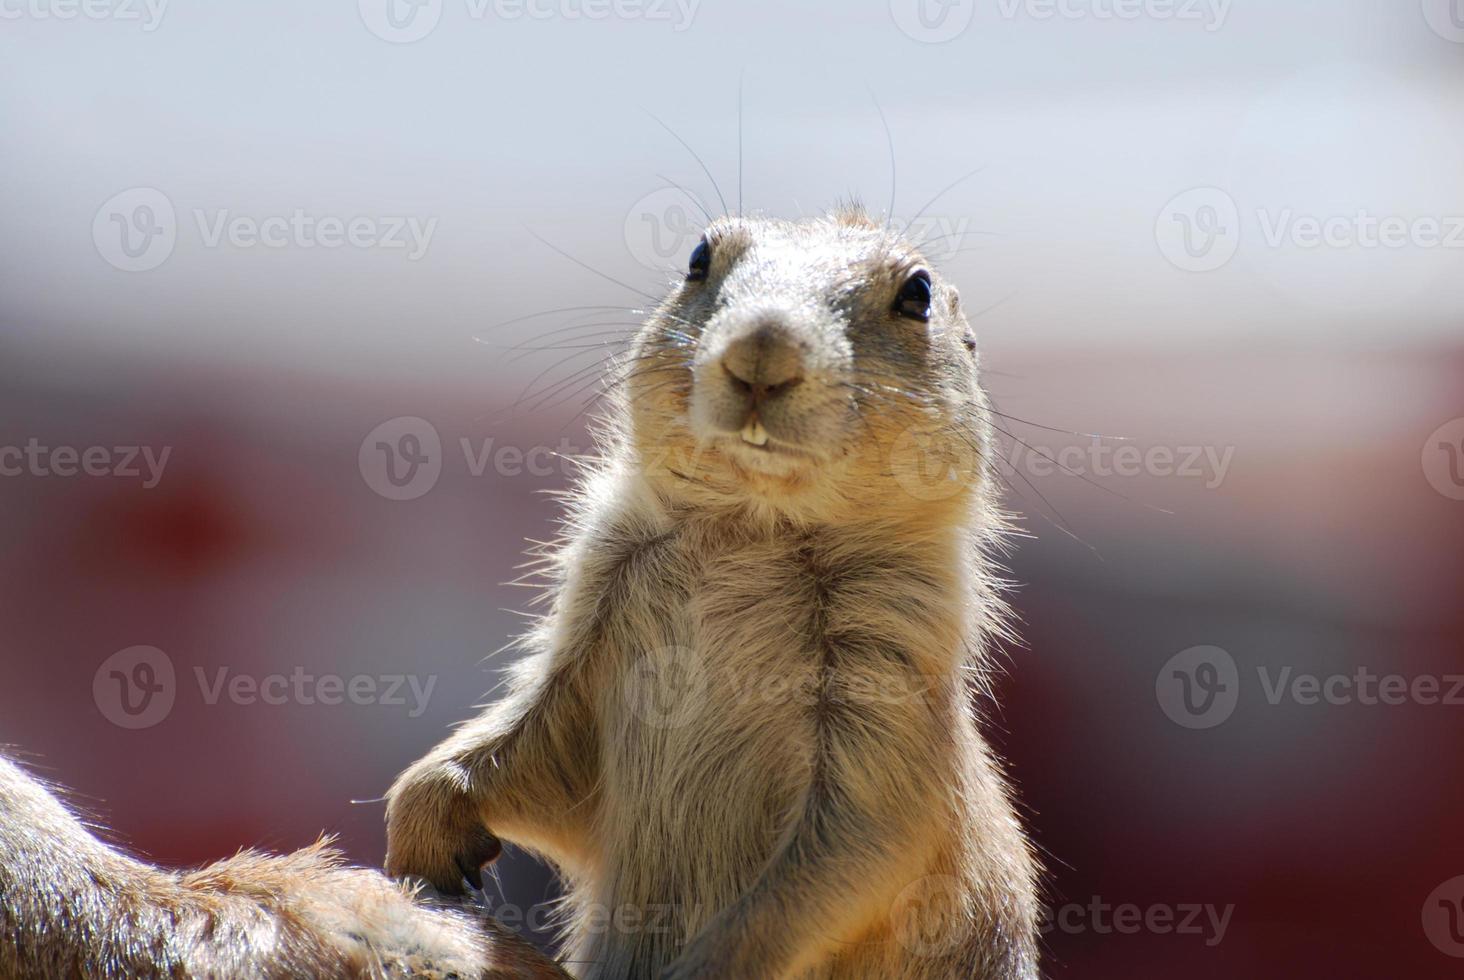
(762, 451)
(754, 434)
(754, 439)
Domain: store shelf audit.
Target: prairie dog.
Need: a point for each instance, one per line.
(745, 730)
(71, 906)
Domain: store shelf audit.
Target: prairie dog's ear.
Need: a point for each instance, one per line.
(953, 304)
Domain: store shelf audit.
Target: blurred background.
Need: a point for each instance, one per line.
(301, 305)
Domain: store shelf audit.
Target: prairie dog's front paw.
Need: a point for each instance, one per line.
(435, 832)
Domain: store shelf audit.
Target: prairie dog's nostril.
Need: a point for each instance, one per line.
(782, 386)
(737, 383)
(765, 362)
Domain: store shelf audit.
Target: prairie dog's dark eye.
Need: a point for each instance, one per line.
(914, 298)
(701, 262)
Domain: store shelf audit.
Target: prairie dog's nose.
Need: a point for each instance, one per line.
(764, 363)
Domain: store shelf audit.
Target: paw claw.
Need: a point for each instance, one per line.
(481, 848)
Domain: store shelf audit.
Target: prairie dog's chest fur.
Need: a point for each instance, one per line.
(726, 642)
(723, 710)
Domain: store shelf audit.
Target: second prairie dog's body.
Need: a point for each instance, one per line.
(745, 732)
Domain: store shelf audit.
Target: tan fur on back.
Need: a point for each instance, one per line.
(71, 906)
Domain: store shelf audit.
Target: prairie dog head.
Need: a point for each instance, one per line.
(817, 369)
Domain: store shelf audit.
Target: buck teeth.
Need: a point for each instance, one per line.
(754, 433)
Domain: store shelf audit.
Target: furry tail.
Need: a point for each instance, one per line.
(70, 906)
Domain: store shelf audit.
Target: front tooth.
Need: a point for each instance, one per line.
(753, 432)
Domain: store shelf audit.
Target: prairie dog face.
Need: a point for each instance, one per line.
(809, 364)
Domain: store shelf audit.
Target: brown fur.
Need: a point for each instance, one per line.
(70, 906)
(745, 730)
